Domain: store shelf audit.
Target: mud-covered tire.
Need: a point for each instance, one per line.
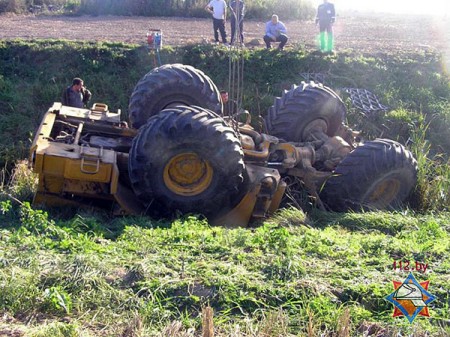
(291, 114)
(377, 175)
(186, 159)
(168, 86)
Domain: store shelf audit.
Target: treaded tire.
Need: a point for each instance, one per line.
(291, 113)
(186, 159)
(379, 174)
(171, 85)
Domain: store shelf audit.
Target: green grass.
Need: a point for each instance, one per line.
(277, 278)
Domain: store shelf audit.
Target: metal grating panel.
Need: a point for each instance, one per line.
(365, 101)
(316, 77)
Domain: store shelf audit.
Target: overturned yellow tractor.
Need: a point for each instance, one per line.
(180, 155)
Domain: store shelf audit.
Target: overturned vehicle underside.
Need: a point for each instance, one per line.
(178, 153)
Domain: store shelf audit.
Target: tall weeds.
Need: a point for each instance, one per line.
(19, 184)
(433, 178)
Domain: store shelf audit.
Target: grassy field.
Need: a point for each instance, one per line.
(296, 274)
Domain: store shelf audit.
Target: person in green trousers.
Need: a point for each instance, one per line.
(325, 18)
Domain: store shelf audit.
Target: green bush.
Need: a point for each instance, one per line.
(17, 6)
(33, 6)
(285, 9)
(4, 5)
(256, 9)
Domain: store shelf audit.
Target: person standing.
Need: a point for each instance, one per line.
(237, 16)
(325, 17)
(218, 9)
(275, 32)
(76, 95)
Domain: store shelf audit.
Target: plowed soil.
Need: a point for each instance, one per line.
(369, 33)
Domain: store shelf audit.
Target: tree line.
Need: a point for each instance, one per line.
(255, 9)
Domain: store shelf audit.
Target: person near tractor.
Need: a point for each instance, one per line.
(237, 17)
(229, 106)
(76, 95)
(218, 9)
(325, 18)
(275, 32)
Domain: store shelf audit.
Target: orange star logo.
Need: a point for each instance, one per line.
(411, 298)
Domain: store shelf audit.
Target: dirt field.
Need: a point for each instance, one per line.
(368, 33)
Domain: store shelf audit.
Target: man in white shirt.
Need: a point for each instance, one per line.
(218, 9)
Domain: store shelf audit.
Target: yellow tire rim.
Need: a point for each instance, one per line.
(187, 174)
(384, 192)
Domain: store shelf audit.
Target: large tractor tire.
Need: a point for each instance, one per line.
(377, 175)
(168, 86)
(186, 159)
(292, 115)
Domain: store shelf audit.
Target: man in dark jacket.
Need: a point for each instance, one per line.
(229, 106)
(237, 16)
(76, 95)
(325, 17)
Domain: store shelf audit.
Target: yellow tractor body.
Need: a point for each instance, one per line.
(178, 153)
